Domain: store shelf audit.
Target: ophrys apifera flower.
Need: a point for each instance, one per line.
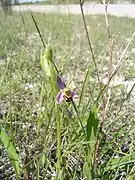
(65, 93)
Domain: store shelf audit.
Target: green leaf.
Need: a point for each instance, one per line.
(13, 156)
(83, 87)
(49, 67)
(92, 124)
(61, 174)
(87, 171)
(48, 54)
(120, 161)
(45, 63)
(43, 160)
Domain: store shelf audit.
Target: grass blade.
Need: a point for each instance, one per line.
(92, 124)
(13, 156)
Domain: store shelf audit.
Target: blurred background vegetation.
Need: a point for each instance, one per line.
(6, 4)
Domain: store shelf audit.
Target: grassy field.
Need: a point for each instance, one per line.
(59, 2)
(76, 2)
(91, 137)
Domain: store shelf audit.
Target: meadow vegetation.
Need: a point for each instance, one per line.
(89, 138)
(77, 2)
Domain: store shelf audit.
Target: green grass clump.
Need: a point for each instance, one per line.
(94, 142)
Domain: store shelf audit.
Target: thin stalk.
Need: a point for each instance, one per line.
(85, 135)
(37, 28)
(120, 109)
(58, 138)
(116, 68)
(38, 173)
(105, 103)
(41, 38)
(107, 85)
(128, 95)
(110, 52)
(89, 42)
(10, 98)
(41, 105)
(80, 121)
(22, 16)
(83, 88)
(58, 122)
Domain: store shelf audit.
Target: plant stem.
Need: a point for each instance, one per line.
(89, 42)
(10, 98)
(58, 138)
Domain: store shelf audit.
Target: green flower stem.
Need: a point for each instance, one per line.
(52, 71)
(58, 138)
(57, 111)
(10, 99)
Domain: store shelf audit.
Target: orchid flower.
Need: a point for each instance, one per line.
(64, 93)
